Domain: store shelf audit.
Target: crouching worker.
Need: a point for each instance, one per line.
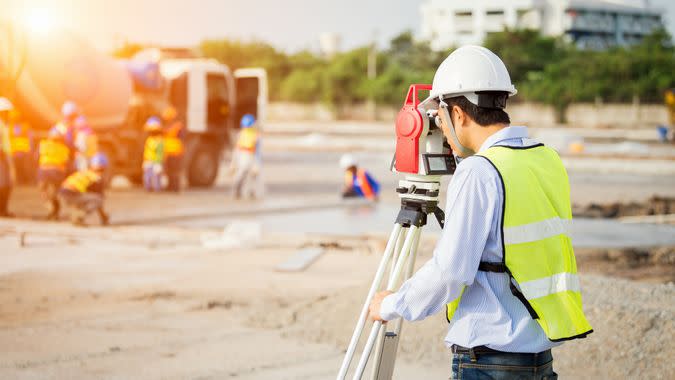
(82, 192)
(54, 159)
(358, 182)
(153, 155)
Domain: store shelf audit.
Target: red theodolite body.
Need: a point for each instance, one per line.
(420, 145)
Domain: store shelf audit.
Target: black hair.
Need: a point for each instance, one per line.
(481, 115)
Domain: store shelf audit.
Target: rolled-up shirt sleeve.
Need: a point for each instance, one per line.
(470, 208)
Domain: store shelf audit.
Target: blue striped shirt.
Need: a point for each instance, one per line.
(488, 314)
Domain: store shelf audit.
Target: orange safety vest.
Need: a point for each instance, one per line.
(173, 145)
(53, 155)
(90, 143)
(248, 138)
(80, 181)
(359, 179)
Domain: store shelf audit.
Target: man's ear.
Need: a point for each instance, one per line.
(460, 115)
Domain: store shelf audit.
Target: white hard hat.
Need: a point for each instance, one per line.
(69, 108)
(5, 104)
(347, 161)
(469, 69)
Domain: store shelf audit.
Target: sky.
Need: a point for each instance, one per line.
(291, 25)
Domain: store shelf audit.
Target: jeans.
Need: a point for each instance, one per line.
(152, 177)
(498, 366)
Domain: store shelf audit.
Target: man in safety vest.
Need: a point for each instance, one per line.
(246, 160)
(7, 173)
(83, 191)
(173, 148)
(85, 143)
(503, 269)
(153, 155)
(358, 182)
(53, 164)
(22, 147)
(69, 112)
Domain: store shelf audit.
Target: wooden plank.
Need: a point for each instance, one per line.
(301, 260)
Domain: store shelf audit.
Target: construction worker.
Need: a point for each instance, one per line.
(153, 155)
(358, 182)
(83, 191)
(69, 112)
(22, 147)
(503, 269)
(246, 159)
(53, 164)
(85, 142)
(670, 103)
(173, 148)
(7, 172)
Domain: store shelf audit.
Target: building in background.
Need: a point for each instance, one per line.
(594, 24)
(329, 43)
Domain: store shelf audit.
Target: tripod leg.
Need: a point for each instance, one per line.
(385, 352)
(409, 272)
(393, 238)
(407, 247)
(383, 331)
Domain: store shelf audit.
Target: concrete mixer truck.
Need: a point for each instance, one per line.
(118, 96)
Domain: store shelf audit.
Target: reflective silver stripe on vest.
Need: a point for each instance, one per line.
(543, 287)
(536, 231)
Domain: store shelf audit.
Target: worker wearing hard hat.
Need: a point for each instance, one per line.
(503, 269)
(7, 173)
(69, 113)
(153, 155)
(85, 142)
(173, 148)
(358, 182)
(22, 147)
(246, 160)
(83, 191)
(53, 166)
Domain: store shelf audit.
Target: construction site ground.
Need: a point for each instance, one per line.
(146, 298)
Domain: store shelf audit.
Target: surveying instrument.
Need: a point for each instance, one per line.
(424, 156)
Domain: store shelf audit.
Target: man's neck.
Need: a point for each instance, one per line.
(482, 133)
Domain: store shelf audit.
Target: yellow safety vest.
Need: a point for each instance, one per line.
(80, 181)
(537, 251)
(248, 138)
(19, 143)
(154, 149)
(53, 155)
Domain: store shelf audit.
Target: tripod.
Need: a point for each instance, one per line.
(419, 197)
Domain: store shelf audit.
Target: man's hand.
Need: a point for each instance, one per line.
(375, 304)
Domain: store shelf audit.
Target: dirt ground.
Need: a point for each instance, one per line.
(145, 299)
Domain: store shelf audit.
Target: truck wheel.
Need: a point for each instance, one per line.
(203, 167)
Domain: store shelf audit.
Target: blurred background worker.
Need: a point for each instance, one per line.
(6, 169)
(69, 113)
(670, 103)
(358, 182)
(153, 155)
(83, 191)
(85, 143)
(22, 146)
(54, 159)
(173, 148)
(246, 164)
